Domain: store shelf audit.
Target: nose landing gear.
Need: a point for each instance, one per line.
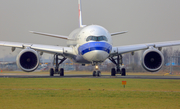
(96, 72)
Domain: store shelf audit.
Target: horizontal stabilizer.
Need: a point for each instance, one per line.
(52, 35)
(117, 33)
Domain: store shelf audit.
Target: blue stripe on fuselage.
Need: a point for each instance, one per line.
(90, 46)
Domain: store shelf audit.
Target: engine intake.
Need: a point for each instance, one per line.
(152, 60)
(28, 60)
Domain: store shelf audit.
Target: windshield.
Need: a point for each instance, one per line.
(96, 38)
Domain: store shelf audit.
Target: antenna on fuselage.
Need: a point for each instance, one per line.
(80, 16)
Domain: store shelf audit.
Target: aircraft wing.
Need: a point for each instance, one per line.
(132, 48)
(65, 51)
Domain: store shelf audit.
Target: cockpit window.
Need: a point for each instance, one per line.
(96, 38)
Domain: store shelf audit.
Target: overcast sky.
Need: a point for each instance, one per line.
(146, 20)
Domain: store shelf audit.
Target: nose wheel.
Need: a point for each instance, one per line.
(96, 73)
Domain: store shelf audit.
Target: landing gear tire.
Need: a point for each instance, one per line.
(51, 72)
(123, 72)
(113, 72)
(61, 72)
(96, 73)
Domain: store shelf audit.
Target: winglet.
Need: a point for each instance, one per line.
(80, 16)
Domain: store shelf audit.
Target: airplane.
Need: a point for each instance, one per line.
(88, 44)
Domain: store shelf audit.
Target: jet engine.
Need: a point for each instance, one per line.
(152, 59)
(28, 60)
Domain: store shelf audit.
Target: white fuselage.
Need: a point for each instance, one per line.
(92, 44)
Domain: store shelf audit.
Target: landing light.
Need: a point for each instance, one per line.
(96, 67)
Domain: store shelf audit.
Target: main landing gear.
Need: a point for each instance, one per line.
(96, 72)
(56, 70)
(117, 60)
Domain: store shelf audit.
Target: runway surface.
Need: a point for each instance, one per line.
(13, 75)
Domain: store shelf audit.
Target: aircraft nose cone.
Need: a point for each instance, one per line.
(99, 55)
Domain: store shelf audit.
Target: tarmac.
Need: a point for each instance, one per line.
(19, 75)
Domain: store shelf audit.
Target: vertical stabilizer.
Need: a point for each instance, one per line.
(80, 16)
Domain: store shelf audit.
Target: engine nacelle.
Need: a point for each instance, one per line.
(152, 59)
(28, 60)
